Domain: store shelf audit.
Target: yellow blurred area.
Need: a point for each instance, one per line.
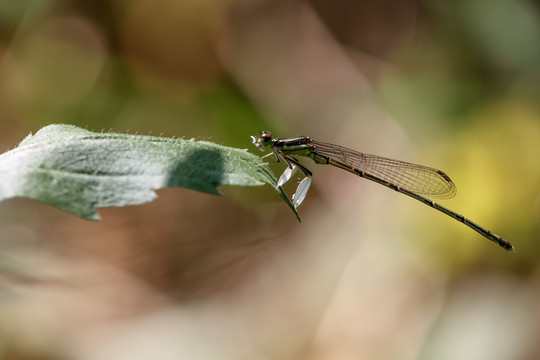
(369, 273)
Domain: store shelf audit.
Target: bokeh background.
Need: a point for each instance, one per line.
(369, 274)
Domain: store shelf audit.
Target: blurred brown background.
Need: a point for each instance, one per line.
(369, 274)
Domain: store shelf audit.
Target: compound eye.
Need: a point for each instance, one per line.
(265, 135)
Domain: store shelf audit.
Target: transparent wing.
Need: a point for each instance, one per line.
(418, 179)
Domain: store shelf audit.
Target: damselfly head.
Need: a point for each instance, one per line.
(264, 139)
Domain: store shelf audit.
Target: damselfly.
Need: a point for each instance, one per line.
(416, 181)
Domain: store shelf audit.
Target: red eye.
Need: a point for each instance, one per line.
(265, 135)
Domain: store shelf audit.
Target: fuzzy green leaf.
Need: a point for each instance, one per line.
(79, 171)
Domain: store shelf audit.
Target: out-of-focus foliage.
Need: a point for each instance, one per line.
(369, 274)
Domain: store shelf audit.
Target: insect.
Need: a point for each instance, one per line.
(416, 181)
